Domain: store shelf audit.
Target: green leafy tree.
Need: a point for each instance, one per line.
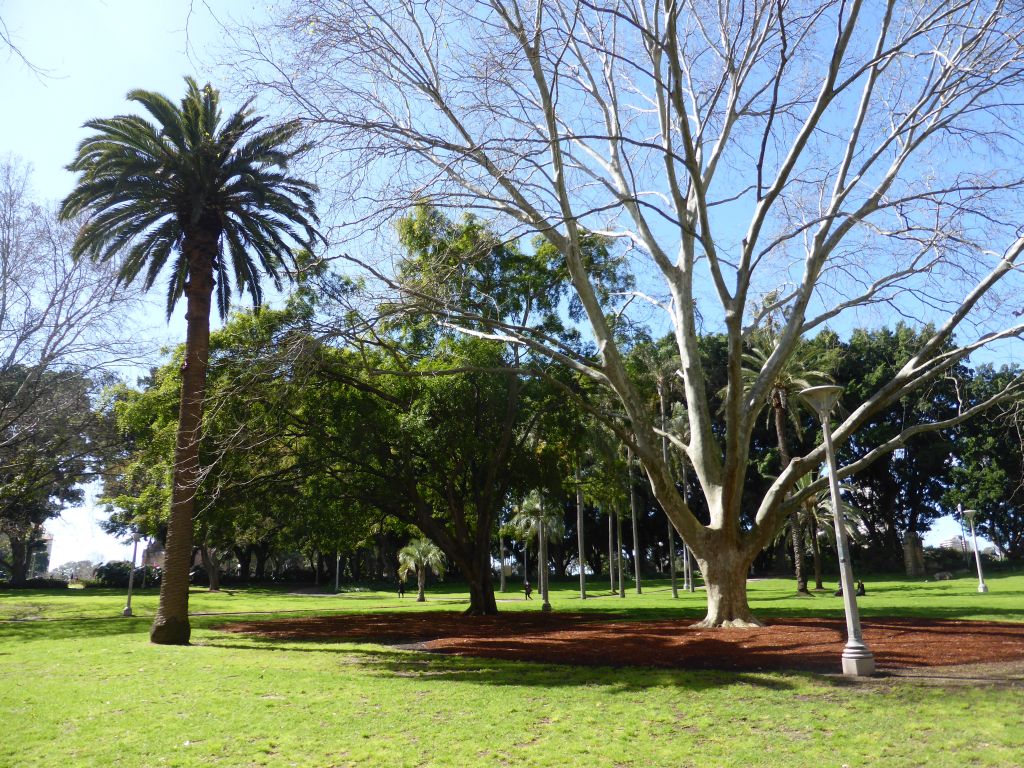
(53, 445)
(899, 494)
(210, 199)
(418, 556)
(988, 475)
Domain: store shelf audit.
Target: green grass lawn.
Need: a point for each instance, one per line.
(83, 687)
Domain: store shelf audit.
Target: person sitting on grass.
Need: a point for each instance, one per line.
(861, 591)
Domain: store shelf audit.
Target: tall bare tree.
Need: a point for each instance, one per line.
(855, 157)
(61, 327)
(55, 313)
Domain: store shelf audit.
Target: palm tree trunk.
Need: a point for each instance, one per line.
(579, 535)
(540, 556)
(526, 562)
(816, 552)
(171, 626)
(687, 560)
(421, 583)
(543, 558)
(618, 553)
(688, 566)
(634, 504)
(672, 559)
(795, 532)
(665, 458)
(611, 553)
(501, 550)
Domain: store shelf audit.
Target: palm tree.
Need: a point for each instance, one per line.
(210, 198)
(419, 555)
(785, 406)
(816, 516)
(547, 524)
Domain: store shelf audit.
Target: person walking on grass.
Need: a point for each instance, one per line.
(528, 590)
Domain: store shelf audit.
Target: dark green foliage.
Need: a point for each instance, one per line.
(988, 475)
(116, 572)
(53, 441)
(150, 186)
(901, 492)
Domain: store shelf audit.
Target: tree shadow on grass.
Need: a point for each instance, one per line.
(437, 667)
(72, 628)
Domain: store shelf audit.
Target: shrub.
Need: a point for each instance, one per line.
(115, 574)
(945, 559)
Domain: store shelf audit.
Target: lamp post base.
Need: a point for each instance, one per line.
(858, 661)
(127, 612)
(983, 588)
(546, 607)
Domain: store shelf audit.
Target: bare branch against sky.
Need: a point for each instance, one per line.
(850, 159)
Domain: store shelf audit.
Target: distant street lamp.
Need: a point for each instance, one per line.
(857, 658)
(131, 576)
(970, 514)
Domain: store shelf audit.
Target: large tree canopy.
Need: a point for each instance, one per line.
(803, 151)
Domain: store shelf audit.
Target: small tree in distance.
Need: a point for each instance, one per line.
(419, 555)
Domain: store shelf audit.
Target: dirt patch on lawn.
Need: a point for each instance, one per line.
(586, 639)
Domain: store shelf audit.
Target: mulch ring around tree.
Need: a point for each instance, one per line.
(810, 644)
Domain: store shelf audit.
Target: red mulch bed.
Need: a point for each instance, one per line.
(588, 640)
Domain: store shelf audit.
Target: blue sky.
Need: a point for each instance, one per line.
(92, 55)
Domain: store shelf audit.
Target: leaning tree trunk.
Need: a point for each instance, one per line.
(171, 626)
(526, 562)
(540, 558)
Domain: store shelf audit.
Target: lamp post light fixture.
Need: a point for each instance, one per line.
(857, 658)
(127, 612)
(970, 514)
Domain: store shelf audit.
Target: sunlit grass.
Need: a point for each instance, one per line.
(87, 689)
